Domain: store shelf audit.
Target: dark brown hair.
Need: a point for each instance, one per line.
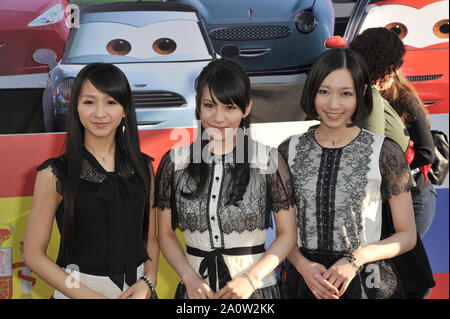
(329, 61)
(382, 51)
(402, 88)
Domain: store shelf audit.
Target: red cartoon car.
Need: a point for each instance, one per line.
(26, 26)
(423, 26)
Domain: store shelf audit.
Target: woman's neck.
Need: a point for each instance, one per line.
(222, 146)
(102, 149)
(336, 137)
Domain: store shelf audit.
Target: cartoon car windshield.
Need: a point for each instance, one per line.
(161, 48)
(130, 38)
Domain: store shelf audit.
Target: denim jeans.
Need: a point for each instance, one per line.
(424, 209)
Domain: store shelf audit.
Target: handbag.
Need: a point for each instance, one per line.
(413, 267)
(439, 169)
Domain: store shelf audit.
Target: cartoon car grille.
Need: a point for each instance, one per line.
(149, 99)
(420, 78)
(250, 33)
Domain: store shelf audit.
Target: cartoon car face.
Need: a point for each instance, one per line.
(423, 26)
(268, 36)
(26, 26)
(160, 47)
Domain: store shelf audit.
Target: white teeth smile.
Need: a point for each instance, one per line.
(334, 115)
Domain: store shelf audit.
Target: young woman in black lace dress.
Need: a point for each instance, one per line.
(220, 192)
(101, 193)
(340, 176)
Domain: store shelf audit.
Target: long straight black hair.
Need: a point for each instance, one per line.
(230, 84)
(108, 79)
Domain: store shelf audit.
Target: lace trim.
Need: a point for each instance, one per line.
(339, 177)
(88, 172)
(269, 188)
(55, 164)
(396, 177)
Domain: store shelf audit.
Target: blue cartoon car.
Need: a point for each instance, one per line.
(161, 48)
(268, 36)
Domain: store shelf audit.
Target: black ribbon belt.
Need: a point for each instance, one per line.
(213, 260)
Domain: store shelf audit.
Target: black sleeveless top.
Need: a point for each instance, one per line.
(108, 218)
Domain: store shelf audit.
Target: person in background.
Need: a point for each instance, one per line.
(341, 174)
(383, 53)
(404, 99)
(101, 192)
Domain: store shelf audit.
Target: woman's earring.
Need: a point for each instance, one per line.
(123, 128)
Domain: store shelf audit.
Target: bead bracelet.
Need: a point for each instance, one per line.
(149, 283)
(351, 259)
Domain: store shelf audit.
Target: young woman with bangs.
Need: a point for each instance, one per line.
(340, 176)
(220, 192)
(101, 192)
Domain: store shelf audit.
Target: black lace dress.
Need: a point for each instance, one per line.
(224, 240)
(339, 194)
(107, 248)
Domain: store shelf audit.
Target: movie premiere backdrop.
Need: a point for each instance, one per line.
(44, 43)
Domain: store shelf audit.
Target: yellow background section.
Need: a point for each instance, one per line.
(15, 211)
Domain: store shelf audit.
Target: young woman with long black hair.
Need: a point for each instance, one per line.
(101, 193)
(220, 191)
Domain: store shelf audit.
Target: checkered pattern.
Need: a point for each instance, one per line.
(146, 99)
(250, 33)
(420, 78)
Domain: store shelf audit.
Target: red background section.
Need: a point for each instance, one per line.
(20, 155)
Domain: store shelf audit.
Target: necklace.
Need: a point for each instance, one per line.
(337, 142)
(101, 157)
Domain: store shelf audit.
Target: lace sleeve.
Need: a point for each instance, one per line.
(164, 182)
(283, 148)
(395, 175)
(279, 183)
(57, 169)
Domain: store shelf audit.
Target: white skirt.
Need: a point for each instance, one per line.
(101, 284)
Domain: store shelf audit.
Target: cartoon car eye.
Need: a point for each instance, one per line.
(120, 42)
(403, 18)
(399, 28)
(440, 29)
(306, 21)
(118, 47)
(164, 46)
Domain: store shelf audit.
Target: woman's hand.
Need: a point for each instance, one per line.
(313, 274)
(140, 290)
(341, 274)
(197, 288)
(238, 288)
